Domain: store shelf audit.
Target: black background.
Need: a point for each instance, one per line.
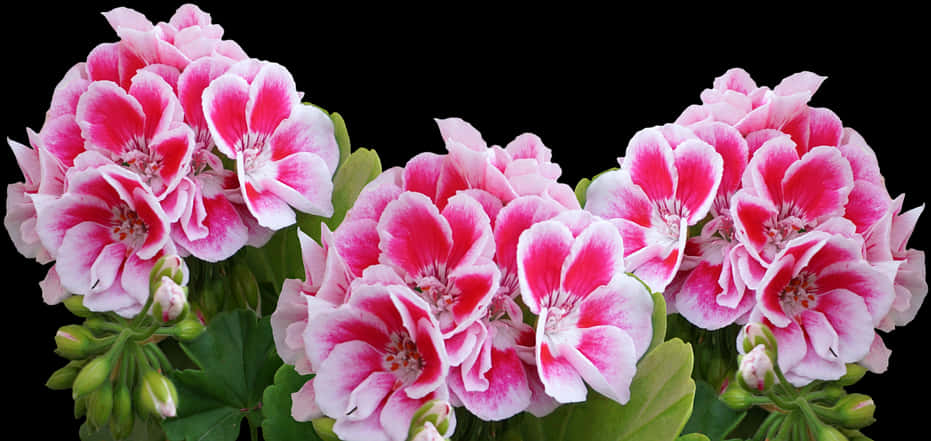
(583, 79)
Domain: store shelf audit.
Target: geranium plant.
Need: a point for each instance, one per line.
(231, 263)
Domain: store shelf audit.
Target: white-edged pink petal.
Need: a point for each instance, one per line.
(606, 358)
(651, 164)
(414, 236)
(541, 251)
(224, 105)
(699, 169)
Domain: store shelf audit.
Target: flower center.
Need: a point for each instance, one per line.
(799, 295)
(253, 151)
(128, 227)
(402, 358)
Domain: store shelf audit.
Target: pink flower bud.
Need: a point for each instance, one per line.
(169, 299)
(756, 369)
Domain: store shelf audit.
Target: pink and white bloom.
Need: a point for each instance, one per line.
(170, 297)
(210, 226)
(666, 183)
(594, 320)
(141, 129)
(822, 301)
(709, 290)
(756, 369)
(377, 358)
(106, 232)
(285, 152)
(445, 255)
(784, 195)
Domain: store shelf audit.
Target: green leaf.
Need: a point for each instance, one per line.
(693, 437)
(710, 415)
(342, 138)
(360, 168)
(276, 407)
(237, 359)
(660, 403)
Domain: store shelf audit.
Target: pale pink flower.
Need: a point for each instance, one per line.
(106, 232)
(594, 320)
(736, 100)
(756, 369)
(170, 297)
(43, 175)
(187, 36)
(377, 358)
(666, 183)
(285, 152)
(141, 129)
(822, 301)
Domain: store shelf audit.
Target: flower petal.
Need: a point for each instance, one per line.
(224, 104)
(541, 251)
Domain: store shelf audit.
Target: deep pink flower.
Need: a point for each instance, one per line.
(377, 359)
(666, 183)
(285, 152)
(141, 129)
(106, 232)
(594, 320)
(822, 301)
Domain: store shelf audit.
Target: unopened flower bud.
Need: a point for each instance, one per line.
(854, 373)
(435, 412)
(244, 286)
(169, 299)
(92, 376)
(63, 378)
(855, 411)
(826, 432)
(100, 405)
(170, 266)
(755, 334)
(121, 424)
(736, 397)
(188, 329)
(756, 370)
(425, 432)
(75, 304)
(74, 342)
(157, 395)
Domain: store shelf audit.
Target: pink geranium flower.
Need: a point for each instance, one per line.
(106, 232)
(594, 320)
(285, 152)
(785, 195)
(141, 129)
(377, 359)
(43, 175)
(667, 182)
(822, 301)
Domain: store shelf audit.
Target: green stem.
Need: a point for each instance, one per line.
(779, 401)
(761, 432)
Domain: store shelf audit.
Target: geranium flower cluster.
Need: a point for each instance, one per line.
(792, 225)
(129, 163)
(472, 276)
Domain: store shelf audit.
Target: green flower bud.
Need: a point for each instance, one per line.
(63, 378)
(736, 397)
(324, 428)
(92, 375)
(832, 393)
(74, 342)
(75, 304)
(100, 405)
(156, 395)
(121, 424)
(854, 373)
(98, 325)
(435, 412)
(755, 334)
(426, 432)
(80, 406)
(170, 266)
(188, 329)
(855, 411)
(825, 432)
(244, 286)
